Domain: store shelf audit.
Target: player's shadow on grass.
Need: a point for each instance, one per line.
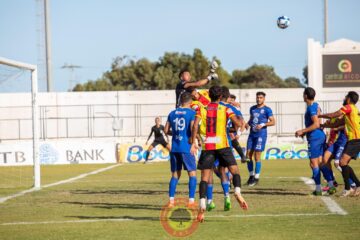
(136, 218)
(116, 217)
(118, 205)
(121, 191)
(273, 191)
(126, 191)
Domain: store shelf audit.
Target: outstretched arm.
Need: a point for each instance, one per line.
(337, 124)
(202, 82)
(331, 115)
(197, 84)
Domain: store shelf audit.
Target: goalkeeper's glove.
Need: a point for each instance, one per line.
(214, 65)
(212, 76)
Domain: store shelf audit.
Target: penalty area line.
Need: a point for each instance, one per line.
(129, 219)
(329, 202)
(4, 199)
(271, 215)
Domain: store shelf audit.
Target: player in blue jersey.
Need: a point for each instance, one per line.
(316, 140)
(261, 117)
(233, 134)
(181, 121)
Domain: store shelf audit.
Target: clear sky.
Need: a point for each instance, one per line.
(91, 33)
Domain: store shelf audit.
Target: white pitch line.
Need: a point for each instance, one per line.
(330, 203)
(129, 219)
(271, 215)
(4, 199)
(69, 221)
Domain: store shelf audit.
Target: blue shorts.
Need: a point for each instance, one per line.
(256, 143)
(336, 149)
(316, 147)
(177, 160)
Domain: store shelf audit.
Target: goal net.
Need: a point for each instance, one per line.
(14, 174)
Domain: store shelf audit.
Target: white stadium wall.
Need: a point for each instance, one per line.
(94, 127)
(94, 114)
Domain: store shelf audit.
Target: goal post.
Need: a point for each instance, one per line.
(35, 119)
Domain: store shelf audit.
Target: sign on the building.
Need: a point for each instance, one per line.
(341, 70)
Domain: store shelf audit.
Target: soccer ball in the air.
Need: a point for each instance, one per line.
(283, 22)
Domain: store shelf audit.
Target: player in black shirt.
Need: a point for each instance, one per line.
(185, 81)
(159, 133)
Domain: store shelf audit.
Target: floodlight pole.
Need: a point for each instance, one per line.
(49, 80)
(325, 21)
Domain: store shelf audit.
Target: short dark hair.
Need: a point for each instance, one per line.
(185, 98)
(225, 92)
(182, 71)
(353, 96)
(261, 93)
(232, 96)
(310, 93)
(190, 89)
(215, 92)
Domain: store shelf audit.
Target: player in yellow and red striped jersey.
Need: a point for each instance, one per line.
(334, 149)
(351, 121)
(200, 98)
(215, 145)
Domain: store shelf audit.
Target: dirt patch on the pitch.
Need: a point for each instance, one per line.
(179, 220)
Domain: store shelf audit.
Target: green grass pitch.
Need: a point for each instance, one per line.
(281, 206)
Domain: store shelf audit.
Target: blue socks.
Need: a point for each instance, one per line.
(250, 166)
(225, 187)
(327, 173)
(257, 169)
(351, 182)
(172, 186)
(192, 187)
(332, 175)
(316, 175)
(209, 192)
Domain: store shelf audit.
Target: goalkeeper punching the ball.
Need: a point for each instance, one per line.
(185, 80)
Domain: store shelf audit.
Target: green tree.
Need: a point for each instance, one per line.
(258, 76)
(99, 85)
(293, 82)
(305, 75)
(127, 73)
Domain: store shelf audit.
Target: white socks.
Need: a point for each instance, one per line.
(202, 203)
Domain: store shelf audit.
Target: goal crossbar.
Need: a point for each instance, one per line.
(34, 105)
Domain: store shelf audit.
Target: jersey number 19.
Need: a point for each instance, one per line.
(179, 124)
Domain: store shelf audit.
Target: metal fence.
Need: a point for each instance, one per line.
(125, 120)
